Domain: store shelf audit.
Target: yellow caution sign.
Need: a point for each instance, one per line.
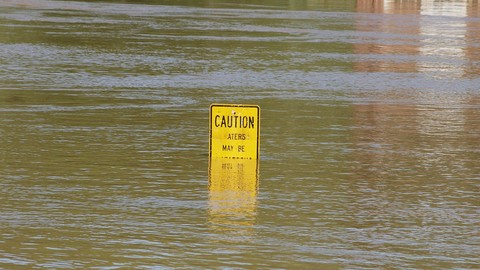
(234, 131)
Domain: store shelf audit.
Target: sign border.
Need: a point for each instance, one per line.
(237, 106)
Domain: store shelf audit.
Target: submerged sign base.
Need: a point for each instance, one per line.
(234, 175)
(233, 189)
(234, 131)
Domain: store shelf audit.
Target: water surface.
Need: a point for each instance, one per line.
(369, 140)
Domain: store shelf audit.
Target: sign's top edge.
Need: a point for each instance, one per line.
(234, 105)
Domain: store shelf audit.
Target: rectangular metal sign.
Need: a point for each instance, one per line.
(234, 131)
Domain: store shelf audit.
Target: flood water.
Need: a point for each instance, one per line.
(370, 136)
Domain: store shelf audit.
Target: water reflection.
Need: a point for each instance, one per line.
(446, 46)
(472, 39)
(394, 53)
(233, 186)
(425, 134)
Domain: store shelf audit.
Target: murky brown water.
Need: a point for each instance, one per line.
(370, 137)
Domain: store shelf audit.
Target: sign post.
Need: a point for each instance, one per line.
(235, 131)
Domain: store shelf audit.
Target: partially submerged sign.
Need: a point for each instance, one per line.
(234, 131)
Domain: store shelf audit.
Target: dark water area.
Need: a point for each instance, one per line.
(370, 136)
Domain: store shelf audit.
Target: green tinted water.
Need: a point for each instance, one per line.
(369, 140)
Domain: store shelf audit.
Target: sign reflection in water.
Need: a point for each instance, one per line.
(233, 186)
